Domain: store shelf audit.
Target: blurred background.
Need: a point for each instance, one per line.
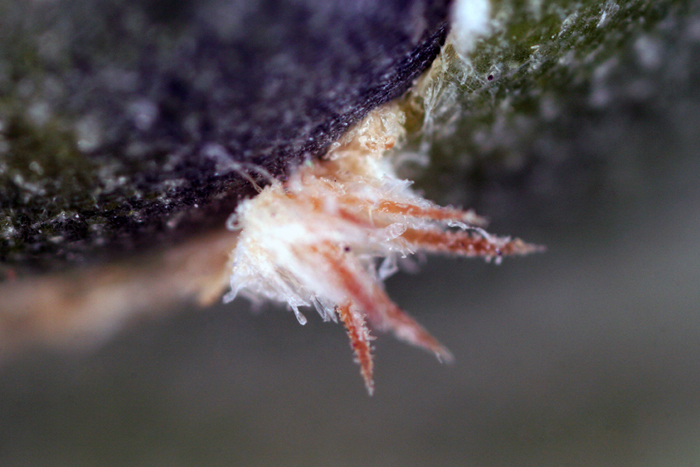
(587, 355)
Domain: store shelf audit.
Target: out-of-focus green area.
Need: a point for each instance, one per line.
(586, 355)
(531, 116)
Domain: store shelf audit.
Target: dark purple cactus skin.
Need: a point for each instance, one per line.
(155, 105)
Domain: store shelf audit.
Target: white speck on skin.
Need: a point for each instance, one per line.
(88, 133)
(649, 52)
(35, 167)
(144, 113)
(609, 9)
(224, 162)
(39, 113)
(567, 23)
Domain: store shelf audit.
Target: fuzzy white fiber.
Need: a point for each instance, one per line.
(470, 21)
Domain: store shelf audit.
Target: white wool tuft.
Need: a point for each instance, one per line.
(470, 20)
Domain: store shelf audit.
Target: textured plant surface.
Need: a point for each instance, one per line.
(512, 124)
(117, 117)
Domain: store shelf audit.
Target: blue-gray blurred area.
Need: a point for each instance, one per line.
(586, 355)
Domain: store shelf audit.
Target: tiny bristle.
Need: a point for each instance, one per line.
(469, 244)
(359, 341)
